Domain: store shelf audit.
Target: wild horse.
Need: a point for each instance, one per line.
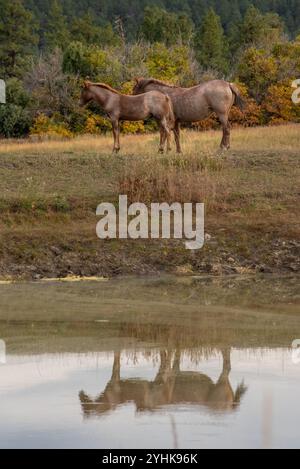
(197, 103)
(131, 108)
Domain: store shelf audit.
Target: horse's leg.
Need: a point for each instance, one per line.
(169, 148)
(162, 140)
(116, 132)
(177, 136)
(164, 135)
(224, 119)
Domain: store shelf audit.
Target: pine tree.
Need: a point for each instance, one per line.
(86, 30)
(258, 30)
(57, 34)
(18, 37)
(211, 44)
(169, 28)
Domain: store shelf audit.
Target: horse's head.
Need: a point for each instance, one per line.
(86, 93)
(140, 85)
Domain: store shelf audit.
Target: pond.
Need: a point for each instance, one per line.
(164, 362)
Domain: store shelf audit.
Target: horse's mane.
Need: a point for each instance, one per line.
(159, 82)
(106, 87)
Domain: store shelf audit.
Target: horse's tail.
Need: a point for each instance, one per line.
(171, 115)
(238, 99)
(239, 393)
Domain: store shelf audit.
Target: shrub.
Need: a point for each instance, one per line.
(91, 60)
(48, 128)
(96, 124)
(278, 106)
(14, 121)
(128, 127)
(252, 114)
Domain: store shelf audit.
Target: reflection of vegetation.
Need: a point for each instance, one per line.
(195, 316)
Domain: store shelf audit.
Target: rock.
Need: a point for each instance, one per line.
(264, 269)
(216, 269)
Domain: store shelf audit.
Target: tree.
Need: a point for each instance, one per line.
(173, 64)
(86, 30)
(258, 70)
(169, 28)
(57, 34)
(93, 61)
(257, 30)
(211, 44)
(18, 37)
(287, 55)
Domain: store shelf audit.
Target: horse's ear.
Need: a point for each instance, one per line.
(138, 80)
(86, 83)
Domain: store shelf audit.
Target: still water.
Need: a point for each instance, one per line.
(151, 363)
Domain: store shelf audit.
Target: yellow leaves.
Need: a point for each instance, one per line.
(168, 63)
(45, 128)
(278, 104)
(96, 124)
(132, 127)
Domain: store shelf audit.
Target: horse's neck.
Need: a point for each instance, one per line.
(101, 95)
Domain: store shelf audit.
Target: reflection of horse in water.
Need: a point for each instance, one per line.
(170, 386)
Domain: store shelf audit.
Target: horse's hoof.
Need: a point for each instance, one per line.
(161, 152)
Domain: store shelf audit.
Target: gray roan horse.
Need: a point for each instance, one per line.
(197, 103)
(131, 108)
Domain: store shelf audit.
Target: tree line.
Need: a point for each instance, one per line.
(48, 46)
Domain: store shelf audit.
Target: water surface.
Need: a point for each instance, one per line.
(151, 363)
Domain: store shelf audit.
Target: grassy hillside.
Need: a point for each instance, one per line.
(50, 191)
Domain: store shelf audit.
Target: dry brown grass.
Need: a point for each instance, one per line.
(277, 138)
(173, 179)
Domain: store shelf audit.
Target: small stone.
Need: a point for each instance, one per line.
(216, 269)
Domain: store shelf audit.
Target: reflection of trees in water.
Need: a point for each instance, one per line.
(171, 386)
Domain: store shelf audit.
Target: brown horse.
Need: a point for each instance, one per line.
(197, 103)
(131, 108)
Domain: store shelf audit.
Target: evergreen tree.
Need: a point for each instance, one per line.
(86, 30)
(18, 37)
(57, 34)
(211, 44)
(169, 28)
(257, 30)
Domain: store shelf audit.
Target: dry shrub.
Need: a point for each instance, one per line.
(174, 179)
